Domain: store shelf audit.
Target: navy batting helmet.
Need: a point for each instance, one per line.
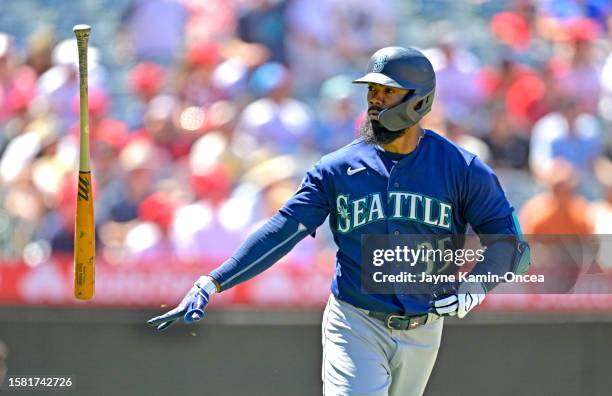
(405, 68)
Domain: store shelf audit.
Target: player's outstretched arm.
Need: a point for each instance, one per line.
(260, 251)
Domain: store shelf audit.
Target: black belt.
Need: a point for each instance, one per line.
(399, 322)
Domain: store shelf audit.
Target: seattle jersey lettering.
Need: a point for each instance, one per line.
(401, 205)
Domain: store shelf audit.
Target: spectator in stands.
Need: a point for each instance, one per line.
(513, 85)
(146, 80)
(194, 80)
(509, 146)
(263, 22)
(23, 209)
(516, 26)
(457, 90)
(276, 119)
(336, 114)
(560, 210)
(460, 134)
(214, 222)
(148, 241)
(39, 49)
(210, 20)
(569, 134)
(155, 29)
(162, 127)
(549, 101)
(141, 165)
(575, 68)
(140, 160)
(560, 217)
(17, 85)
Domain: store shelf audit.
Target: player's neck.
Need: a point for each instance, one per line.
(407, 143)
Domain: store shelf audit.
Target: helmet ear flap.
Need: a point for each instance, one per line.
(428, 100)
(425, 103)
(407, 113)
(400, 116)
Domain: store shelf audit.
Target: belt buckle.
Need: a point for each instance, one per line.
(414, 322)
(390, 318)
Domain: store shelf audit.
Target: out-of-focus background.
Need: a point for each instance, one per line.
(204, 116)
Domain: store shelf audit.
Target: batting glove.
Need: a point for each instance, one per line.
(468, 296)
(191, 308)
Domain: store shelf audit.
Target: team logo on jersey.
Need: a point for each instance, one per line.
(379, 64)
(400, 205)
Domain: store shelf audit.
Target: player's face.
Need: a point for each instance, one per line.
(381, 97)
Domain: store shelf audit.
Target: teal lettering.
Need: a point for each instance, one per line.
(397, 198)
(445, 212)
(359, 209)
(344, 217)
(376, 210)
(428, 213)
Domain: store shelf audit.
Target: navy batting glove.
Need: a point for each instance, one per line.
(191, 308)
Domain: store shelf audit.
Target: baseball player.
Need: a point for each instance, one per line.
(397, 178)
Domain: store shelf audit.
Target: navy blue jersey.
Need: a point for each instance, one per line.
(439, 188)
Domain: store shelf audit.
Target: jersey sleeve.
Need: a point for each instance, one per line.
(260, 251)
(484, 199)
(310, 203)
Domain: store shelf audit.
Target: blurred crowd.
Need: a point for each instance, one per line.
(224, 104)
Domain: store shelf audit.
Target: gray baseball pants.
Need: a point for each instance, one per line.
(362, 357)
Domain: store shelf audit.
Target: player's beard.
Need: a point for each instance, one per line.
(374, 133)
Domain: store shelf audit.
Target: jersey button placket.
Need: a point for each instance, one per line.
(394, 184)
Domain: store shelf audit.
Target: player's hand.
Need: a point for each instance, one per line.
(468, 296)
(191, 308)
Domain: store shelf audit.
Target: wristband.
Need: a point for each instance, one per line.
(207, 284)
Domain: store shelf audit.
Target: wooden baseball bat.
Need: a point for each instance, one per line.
(84, 232)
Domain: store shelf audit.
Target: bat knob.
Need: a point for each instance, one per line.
(194, 315)
(82, 27)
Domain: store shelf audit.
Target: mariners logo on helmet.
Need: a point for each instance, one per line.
(379, 64)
